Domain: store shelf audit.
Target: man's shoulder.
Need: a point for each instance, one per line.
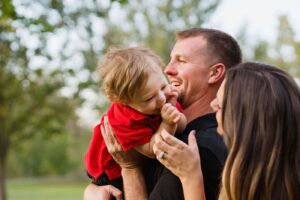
(208, 139)
(205, 127)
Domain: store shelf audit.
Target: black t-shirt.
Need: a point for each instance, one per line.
(163, 185)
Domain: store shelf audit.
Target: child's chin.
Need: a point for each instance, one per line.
(156, 112)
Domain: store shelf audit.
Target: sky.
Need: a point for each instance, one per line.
(259, 16)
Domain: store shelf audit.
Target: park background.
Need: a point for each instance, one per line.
(49, 88)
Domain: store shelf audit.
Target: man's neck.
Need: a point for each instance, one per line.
(197, 109)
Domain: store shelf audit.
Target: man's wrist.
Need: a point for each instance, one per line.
(131, 166)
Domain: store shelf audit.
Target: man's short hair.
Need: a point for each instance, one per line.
(221, 47)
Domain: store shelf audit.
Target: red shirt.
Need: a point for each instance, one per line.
(131, 128)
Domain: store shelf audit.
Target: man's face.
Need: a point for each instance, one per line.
(188, 70)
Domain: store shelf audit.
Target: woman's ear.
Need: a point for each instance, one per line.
(217, 72)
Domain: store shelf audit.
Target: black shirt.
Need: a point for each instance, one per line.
(163, 185)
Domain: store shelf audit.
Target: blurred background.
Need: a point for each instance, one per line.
(49, 50)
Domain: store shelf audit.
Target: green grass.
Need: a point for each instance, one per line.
(45, 189)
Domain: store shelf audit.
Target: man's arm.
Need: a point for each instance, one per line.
(181, 124)
(134, 184)
(133, 179)
(134, 187)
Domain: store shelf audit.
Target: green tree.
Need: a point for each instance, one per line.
(43, 51)
(284, 52)
(154, 23)
(31, 102)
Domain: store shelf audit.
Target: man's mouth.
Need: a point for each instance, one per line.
(175, 83)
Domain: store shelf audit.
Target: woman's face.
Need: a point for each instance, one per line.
(216, 105)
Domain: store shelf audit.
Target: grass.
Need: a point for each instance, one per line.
(45, 189)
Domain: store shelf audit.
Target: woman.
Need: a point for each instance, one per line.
(258, 113)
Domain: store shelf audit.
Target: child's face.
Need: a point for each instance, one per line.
(153, 96)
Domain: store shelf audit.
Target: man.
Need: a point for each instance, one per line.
(199, 60)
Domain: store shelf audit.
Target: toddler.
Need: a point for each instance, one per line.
(143, 103)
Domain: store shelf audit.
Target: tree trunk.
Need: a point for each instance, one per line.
(4, 145)
(2, 179)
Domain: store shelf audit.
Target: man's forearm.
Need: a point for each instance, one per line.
(134, 184)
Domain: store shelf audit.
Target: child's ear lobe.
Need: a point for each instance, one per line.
(124, 102)
(217, 73)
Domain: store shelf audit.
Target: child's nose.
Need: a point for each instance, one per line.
(162, 99)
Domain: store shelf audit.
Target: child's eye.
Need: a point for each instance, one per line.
(149, 99)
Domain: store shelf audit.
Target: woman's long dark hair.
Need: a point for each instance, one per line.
(261, 119)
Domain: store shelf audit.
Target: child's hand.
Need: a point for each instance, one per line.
(172, 96)
(170, 114)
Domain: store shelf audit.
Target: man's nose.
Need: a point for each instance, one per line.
(171, 68)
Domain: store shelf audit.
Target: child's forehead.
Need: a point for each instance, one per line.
(155, 81)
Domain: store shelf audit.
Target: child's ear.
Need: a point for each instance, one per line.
(217, 73)
(124, 102)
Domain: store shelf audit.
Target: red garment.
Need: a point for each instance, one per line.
(132, 129)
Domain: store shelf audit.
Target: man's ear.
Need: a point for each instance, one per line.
(217, 72)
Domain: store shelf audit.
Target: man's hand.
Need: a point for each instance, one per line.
(129, 159)
(106, 192)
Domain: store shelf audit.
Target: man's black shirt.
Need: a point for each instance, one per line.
(163, 185)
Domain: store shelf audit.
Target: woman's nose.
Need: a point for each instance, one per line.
(213, 105)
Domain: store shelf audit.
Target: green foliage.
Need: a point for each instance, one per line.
(40, 156)
(143, 26)
(31, 102)
(284, 53)
(39, 124)
(7, 10)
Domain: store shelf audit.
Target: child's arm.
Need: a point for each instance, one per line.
(173, 118)
(181, 124)
(181, 121)
(147, 149)
(173, 122)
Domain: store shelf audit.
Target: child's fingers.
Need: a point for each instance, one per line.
(167, 109)
(175, 116)
(176, 120)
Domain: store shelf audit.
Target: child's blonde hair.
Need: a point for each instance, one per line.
(125, 72)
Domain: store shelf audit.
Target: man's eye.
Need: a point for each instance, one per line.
(181, 60)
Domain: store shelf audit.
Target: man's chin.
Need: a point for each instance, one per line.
(180, 97)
